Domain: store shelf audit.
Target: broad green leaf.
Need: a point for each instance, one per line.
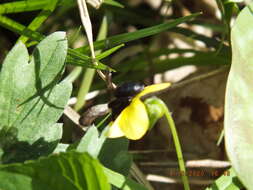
(126, 37)
(228, 181)
(121, 181)
(91, 142)
(238, 103)
(61, 148)
(11, 181)
(71, 171)
(114, 155)
(32, 100)
(18, 151)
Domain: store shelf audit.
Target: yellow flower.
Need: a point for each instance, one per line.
(133, 121)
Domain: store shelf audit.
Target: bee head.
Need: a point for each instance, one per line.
(128, 89)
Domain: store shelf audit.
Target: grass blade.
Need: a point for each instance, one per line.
(22, 6)
(19, 28)
(126, 37)
(73, 56)
(38, 20)
(108, 52)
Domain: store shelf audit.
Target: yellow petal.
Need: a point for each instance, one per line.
(153, 88)
(114, 130)
(133, 120)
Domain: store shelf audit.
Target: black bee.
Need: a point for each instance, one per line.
(129, 89)
(124, 95)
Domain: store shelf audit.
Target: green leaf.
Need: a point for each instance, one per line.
(31, 101)
(71, 171)
(239, 102)
(114, 155)
(91, 142)
(61, 148)
(121, 181)
(76, 58)
(126, 37)
(228, 181)
(155, 110)
(108, 52)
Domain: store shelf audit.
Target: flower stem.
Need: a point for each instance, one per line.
(178, 147)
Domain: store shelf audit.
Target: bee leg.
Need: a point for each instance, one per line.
(109, 82)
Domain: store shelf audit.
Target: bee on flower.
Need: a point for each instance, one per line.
(129, 112)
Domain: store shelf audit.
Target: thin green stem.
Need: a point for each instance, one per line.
(84, 88)
(103, 120)
(178, 147)
(74, 74)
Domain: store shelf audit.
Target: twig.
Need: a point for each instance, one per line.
(74, 116)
